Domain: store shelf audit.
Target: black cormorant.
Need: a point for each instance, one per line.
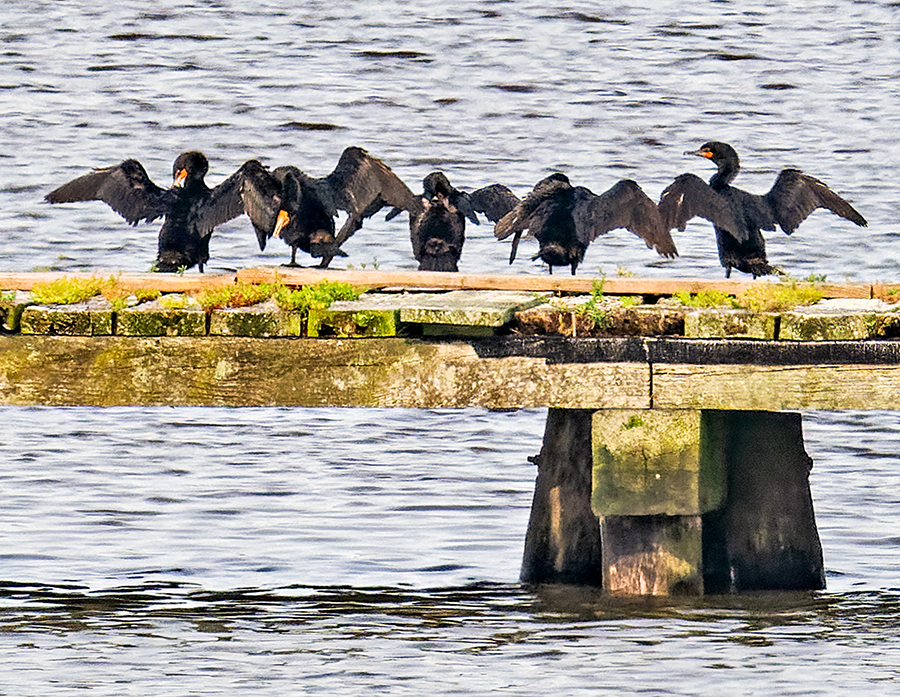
(739, 216)
(190, 208)
(360, 184)
(439, 232)
(566, 219)
(287, 203)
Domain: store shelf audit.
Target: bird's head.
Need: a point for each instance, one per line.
(716, 151)
(191, 165)
(558, 177)
(436, 183)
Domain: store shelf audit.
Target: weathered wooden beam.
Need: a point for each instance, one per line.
(163, 282)
(657, 462)
(522, 282)
(562, 544)
(764, 537)
(655, 472)
(652, 555)
(234, 371)
(832, 387)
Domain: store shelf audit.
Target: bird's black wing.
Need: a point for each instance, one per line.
(795, 195)
(624, 205)
(126, 188)
(463, 203)
(530, 211)
(361, 185)
(494, 201)
(689, 196)
(225, 201)
(261, 196)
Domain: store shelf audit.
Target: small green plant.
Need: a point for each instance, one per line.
(8, 296)
(598, 315)
(118, 294)
(706, 298)
(631, 301)
(816, 278)
(363, 319)
(236, 295)
(66, 290)
(143, 295)
(772, 297)
(364, 265)
(633, 422)
(318, 296)
(622, 271)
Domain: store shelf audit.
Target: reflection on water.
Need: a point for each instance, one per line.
(471, 639)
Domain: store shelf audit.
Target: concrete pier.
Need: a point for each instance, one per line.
(672, 460)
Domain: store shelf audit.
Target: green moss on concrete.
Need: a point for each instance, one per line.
(155, 319)
(797, 326)
(649, 463)
(293, 324)
(720, 323)
(260, 320)
(92, 318)
(485, 308)
(368, 322)
(12, 304)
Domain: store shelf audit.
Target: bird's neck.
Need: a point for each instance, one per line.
(728, 170)
(193, 186)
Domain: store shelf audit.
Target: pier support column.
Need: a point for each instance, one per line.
(655, 473)
(765, 536)
(658, 502)
(562, 544)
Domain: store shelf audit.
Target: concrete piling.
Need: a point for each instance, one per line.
(662, 502)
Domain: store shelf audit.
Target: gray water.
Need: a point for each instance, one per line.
(346, 552)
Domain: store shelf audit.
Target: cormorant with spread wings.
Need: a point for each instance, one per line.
(439, 232)
(738, 216)
(191, 209)
(565, 219)
(301, 209)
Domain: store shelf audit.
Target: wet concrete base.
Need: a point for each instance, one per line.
(760, 533)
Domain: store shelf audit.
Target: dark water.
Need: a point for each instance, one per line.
(344, 552)
(271, 551)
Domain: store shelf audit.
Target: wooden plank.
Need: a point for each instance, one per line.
(174, 283)
(566, 284)
(831, 387)
(773, 353)
(231, 371)
(164, 282)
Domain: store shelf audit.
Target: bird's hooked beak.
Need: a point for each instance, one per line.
(700, 153)
(180, 176)
(282, 220)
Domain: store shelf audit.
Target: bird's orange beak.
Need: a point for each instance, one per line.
(282, 220)
(701, 153)
(180, 176)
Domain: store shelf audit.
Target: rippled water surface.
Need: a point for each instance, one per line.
(345, 552)
(273, 551)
